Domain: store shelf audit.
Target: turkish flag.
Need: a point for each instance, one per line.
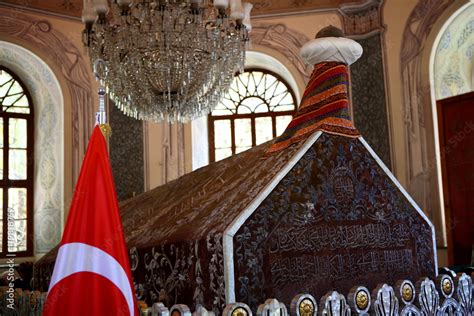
(92, 271)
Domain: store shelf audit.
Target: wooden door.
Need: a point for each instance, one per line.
(456, 136)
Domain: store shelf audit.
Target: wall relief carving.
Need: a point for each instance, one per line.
(361, 20)
(284, 40)
(66, 57)
(419, 140)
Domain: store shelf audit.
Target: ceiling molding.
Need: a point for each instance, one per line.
(262, 8)
(30, 9)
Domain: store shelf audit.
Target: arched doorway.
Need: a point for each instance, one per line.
(421, 146)
(451, 75)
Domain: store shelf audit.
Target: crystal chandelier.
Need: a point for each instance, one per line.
(167, 60)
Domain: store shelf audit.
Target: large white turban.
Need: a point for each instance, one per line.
(324, 49)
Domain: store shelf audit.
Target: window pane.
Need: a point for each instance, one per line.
(220, 112)
(285, 103)
(284, 107)
(253, 104)
(223, 153)
(17, 203)
(262, 108)
(234, 94)
(251, 95)
(260, 80)
(243, 134)
(241, 149)
(244, 109)
(270, 87)
(17, 237)
(222, 134)
(17, 219)
(263, 129)
(17, 109)
(241, 83)
(23, 102)
(17, 133)
(251, 86)
(225, 107)
(12, 95)
(281, 100)
(17, 164)
(12, 98)
(16, 89)
(280, 89)
(282, 123)
(5, 82)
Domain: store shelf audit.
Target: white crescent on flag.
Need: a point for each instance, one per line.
(93, 260)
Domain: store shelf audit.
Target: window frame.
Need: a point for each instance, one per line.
(6, 183)
(252, 116)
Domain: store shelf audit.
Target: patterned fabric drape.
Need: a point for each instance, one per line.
(324, 106)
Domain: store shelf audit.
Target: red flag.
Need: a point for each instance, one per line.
(92, 271)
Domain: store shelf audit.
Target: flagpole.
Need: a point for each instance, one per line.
(100, 71)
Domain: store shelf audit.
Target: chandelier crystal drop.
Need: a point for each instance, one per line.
(167, 60)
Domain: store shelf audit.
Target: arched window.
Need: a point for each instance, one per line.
(16, 166)
(257, 108)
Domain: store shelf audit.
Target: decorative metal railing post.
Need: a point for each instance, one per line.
(359, 300)
(405, 291)
(272, 307)
(444, 296)
(237, 309)
(303, 305)
(464, 294)
(334, 304)
(428, 299)
(445, 286)
(385, 301)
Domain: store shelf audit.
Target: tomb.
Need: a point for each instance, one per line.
(311, 211)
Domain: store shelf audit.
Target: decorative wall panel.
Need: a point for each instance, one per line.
(126, 154)
(364, 23)
(454, 60)
(369, 97)
(421, 161)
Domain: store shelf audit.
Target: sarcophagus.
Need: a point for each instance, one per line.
(312, 211)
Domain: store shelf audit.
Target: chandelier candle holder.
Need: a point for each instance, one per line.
(167, 60)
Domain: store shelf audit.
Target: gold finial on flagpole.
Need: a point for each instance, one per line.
(100, 71)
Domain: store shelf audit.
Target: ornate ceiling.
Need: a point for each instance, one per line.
(73, 7)
(286, 6)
